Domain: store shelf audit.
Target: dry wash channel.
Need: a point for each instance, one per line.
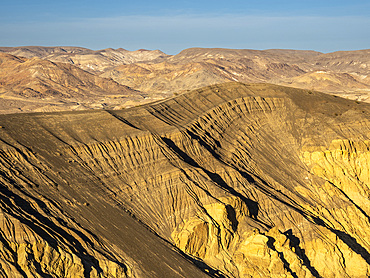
(230, 180)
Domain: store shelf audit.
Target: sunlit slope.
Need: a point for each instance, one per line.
(246, 180)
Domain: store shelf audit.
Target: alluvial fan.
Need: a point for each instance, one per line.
(231, 180)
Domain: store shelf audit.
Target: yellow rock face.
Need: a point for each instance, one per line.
(344, 168)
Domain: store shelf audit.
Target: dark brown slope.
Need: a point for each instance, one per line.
(36, 84)
(251, 180)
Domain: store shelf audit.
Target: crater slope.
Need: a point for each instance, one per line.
(230, 180)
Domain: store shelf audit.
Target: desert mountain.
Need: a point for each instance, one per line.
(346, 73)
(230, 180)
(158, 76)
(37, 85)
(87, 59)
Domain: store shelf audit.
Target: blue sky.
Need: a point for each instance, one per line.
(172, 26)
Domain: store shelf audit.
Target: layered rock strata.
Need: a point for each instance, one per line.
(230, 180)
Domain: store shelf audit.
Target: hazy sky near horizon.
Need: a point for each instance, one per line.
(172, 26)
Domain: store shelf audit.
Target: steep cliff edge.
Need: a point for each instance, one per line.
(231, 180)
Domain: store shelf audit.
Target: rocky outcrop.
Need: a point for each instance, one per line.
(230, 180)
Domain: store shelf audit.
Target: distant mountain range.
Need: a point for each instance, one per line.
(39, 78)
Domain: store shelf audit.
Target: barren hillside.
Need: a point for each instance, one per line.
(41, 85)
(346, 73)
(94, 61)
(44, 78)
(230, 180)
